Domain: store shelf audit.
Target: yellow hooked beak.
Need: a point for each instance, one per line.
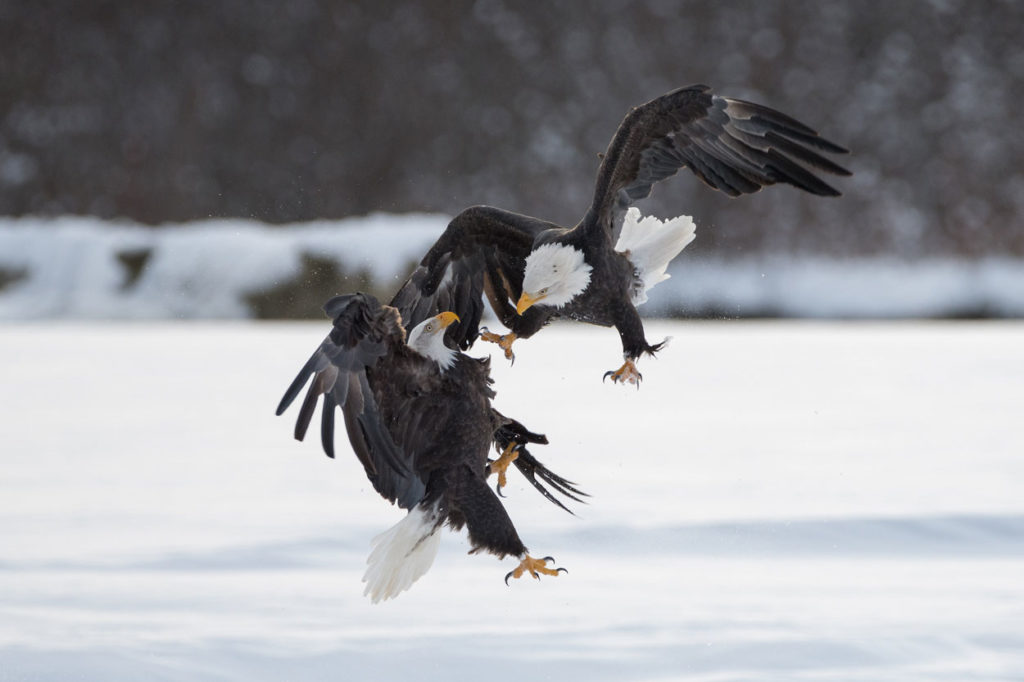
(525, 301)
(446, 318)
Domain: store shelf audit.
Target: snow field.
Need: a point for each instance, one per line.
(784, 500)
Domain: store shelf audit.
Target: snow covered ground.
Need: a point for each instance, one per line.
(779, 501)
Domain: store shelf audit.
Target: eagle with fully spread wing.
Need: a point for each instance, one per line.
(532, 271)
(418, 415)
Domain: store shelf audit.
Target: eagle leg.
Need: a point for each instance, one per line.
(534, 567)
(500, 465)
(627, 374)
(505, 341)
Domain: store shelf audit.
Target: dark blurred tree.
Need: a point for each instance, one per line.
(287, 110)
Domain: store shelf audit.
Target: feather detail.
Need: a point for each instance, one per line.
(402, 553)
(650, 244)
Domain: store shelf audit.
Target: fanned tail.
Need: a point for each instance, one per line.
(651, 244)
(402, 554)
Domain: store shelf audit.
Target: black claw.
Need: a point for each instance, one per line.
(606, 375)
(561, 570)
(508, 575)
(497, 489)
(548, 558)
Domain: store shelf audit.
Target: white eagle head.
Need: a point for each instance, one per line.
(427, 339)
(555, 274)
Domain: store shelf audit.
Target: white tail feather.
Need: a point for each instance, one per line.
(651, 244)
(402, 554)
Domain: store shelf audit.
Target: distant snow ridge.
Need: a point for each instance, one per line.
(85, 268)
(76, 267)
(864, 288)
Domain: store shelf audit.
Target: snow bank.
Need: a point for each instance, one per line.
(849, 288)
(72, 267)
(83, 268)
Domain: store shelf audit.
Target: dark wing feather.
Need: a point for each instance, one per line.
(734, 146)
(364, 333)
(531, 468)
(509, 431)
(482, 252)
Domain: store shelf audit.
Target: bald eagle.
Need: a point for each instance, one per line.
(419, 418)
(598, 271)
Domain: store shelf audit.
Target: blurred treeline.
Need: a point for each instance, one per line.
(287, 110)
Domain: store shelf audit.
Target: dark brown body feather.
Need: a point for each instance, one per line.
(422, 435)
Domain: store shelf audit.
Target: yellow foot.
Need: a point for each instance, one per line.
(627, 374)
(500, 465)
(534, 567)
(503, 340)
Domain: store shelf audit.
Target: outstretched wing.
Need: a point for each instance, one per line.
(734, 146)
(365, 334)
(482, 252)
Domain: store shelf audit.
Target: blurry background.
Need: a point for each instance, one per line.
(289, 111)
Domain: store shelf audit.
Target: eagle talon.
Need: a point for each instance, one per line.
(500, 465)
(505, 341)
(627, 374)
(534, 567)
